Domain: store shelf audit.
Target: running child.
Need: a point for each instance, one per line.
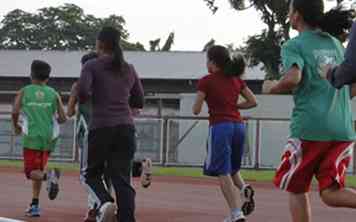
(221, 90)
(42, 109)
(322, 134)
(140, 168)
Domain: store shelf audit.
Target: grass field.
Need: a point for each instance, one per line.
(250, 175)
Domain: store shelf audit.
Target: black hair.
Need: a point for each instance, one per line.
(40, 70)
(88, 56)
(220, 56)
(110, 37)
(336, 22)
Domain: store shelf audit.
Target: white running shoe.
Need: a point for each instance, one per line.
(107, 212)
(146, 177)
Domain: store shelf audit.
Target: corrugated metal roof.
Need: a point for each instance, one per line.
(149, 65)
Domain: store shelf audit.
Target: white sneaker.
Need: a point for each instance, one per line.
(107, 212)
(146, 177)
(236, 218)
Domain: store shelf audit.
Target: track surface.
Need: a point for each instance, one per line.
(169, 199)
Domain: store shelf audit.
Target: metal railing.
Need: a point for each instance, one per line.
(172, 141)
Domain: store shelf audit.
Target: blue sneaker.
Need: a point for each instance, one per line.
(33, 211)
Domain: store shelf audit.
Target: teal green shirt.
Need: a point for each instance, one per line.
(39, 107)
(321, 113)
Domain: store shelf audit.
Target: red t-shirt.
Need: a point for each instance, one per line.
(222, 94)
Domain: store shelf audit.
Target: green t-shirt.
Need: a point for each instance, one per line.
(321, 112)
(40, 127)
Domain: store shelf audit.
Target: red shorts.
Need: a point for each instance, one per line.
(328, 161)
(34, 160)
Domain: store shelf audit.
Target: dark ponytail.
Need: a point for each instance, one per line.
(110, 37)
(335, 22)
(220, 56)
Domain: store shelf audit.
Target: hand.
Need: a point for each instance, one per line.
(17, 129)
(268, 85)
(74, 89)
(325, 71)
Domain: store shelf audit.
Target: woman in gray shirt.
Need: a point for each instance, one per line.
(113, 87)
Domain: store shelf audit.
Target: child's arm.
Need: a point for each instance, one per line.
(353, 90)
(71, 107)
(199, 100)
(288, 82)
(60, 110)
(250, 99)
(16, 112)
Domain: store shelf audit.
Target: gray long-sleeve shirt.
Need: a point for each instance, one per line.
(346, 72)
(111, 93)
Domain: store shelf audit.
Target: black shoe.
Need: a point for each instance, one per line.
(248, 201)
(52, 183)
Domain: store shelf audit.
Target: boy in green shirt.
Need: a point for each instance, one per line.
(321, 131)
(39, 106)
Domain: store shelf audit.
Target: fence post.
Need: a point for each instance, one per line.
(257, 148)
(165, 141)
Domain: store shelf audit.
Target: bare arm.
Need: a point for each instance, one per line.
(16, 112)
(288, 82)
(71, 106)
(353, 90)
(250, 99)
(60, 110)
(137, 99)
(199, 101)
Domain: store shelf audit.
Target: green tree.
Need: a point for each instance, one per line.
(63, 27)
(265, 47)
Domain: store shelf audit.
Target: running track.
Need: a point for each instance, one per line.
(170, 199)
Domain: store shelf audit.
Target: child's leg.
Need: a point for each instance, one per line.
(238, 180)
(229, 191)
(36, 189)
(299, 162)
(339, 197)
(220, 162)
(331, 176)
(299, 206)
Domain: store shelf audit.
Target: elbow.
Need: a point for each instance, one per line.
(196, 110)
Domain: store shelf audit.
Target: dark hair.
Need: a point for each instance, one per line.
(88, 56)
(220, 56)
(336, 22)
(40, 70)
(110, 37)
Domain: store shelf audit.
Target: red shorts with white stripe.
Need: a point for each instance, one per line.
(302, 160)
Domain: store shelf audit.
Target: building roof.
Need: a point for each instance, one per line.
(149, 65)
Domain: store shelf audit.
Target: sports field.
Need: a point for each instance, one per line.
(176, 195)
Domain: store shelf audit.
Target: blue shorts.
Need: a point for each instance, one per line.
(225, 149)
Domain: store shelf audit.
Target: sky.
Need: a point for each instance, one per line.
(191, 20)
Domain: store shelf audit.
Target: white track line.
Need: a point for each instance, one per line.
(2, 219)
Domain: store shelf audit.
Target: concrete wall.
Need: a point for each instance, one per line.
(273, 134)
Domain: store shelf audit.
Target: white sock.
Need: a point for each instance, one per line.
(236, 212)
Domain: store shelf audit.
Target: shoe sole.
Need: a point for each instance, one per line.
(249, 205)
(54, 187)
(109, 215)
